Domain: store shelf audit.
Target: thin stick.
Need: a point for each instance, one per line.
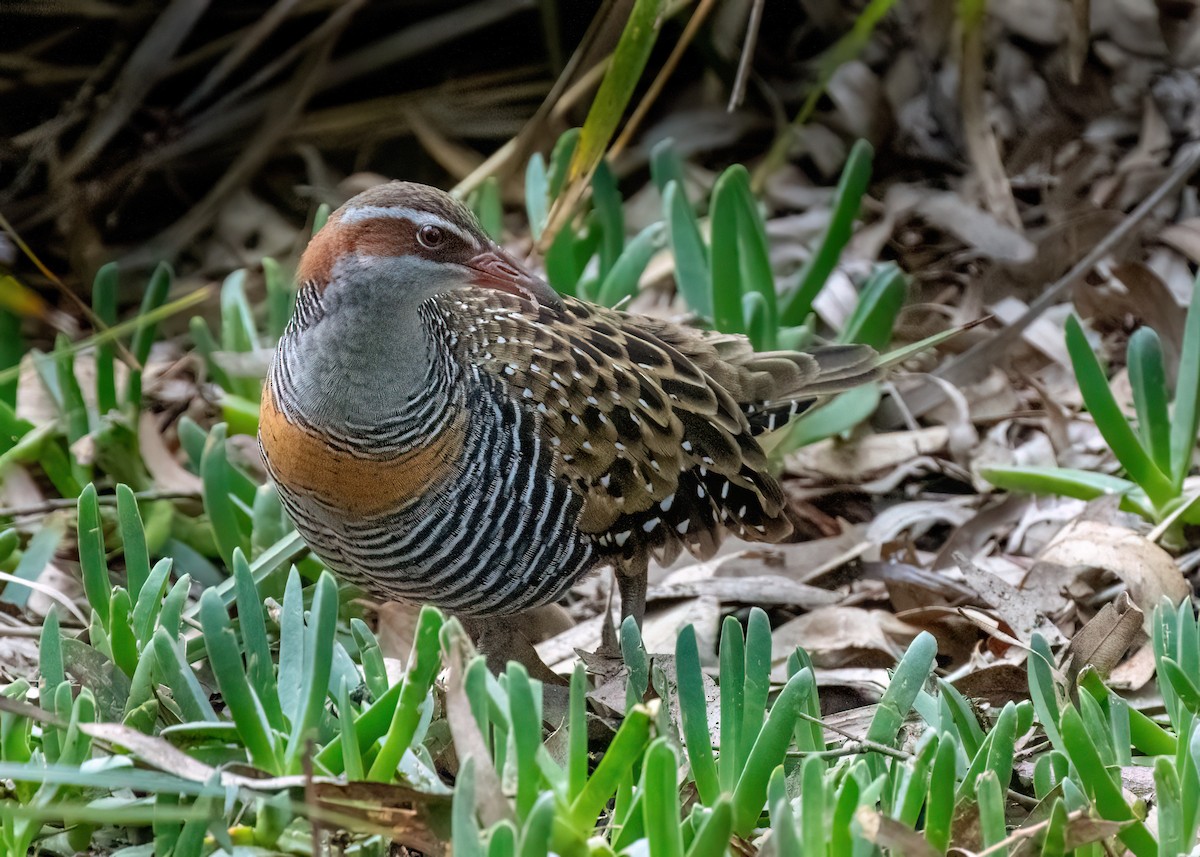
(968, 366)
(748, 46)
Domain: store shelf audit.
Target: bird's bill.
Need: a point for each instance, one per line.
(497, 269)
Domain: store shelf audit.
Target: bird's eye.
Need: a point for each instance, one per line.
(431, 236)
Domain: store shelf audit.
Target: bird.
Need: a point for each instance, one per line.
(444, 428)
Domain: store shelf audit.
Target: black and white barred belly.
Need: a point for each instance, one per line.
(496, 537)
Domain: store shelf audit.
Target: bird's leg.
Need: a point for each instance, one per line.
(501, 639)
(632, 586)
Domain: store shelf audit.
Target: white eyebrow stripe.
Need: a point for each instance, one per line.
(421, 218)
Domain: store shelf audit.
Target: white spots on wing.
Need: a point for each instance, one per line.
(651, 524)
(623, 537)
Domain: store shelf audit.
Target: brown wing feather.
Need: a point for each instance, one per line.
(652, 423)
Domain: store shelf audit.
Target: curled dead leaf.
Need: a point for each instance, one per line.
(1149, 572)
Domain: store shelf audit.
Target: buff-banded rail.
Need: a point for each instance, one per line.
(444, 428)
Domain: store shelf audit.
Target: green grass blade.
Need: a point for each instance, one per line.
(216, 490)
(281, 297)
(1186, 418)
(143, 336)
(174, 672)
(97, 584)
(609, 216)
(225, 658)
(757, 682)
(465, 836)
(1068, 482)
(1110, 803)
(12, 348)
(847, 200)
(879, 304)
(170, 616)
(712, 839)
(537, 195)
(693, 710)
(485, 202)
(660, 801)
(692, 276)
(841, 833)
(104, 305)
(991, 813)
(726, 270)
(841, 414)
(370, 657)
(754, 259)
(149, 601)
(1148, 378)
(526, 719)
(622, 280)
(624, 70)
(1111, 422)
(37, 555)
(74, 409)
(260, 668)
(732, 656)
(1043, 690)
(812, 805)
(666, 166)
(577, 748)
(318, 662)
(561, 157)
(623, 753)
(423, 665)
(535, 835)
(910, 676)
(939, 810)
(121, 638)
(133, 537)
(750, 793)
(783, 824)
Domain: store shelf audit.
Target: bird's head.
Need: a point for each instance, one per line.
(400, 243)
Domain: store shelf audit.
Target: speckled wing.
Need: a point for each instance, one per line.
(652, 423)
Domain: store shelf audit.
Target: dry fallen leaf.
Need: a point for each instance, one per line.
(866, 456)
(1105, 639)
(1148, 571)
(844, 636)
